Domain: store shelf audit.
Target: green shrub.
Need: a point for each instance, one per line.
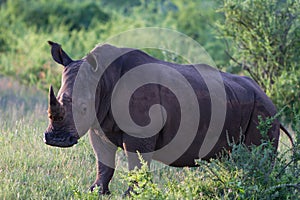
(242, 173)
(48, 15)
(265, 43)
(141, 182)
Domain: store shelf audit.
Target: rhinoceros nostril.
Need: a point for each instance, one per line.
(72, 140)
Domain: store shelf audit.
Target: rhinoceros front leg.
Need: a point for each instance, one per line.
(105, 154)
(104, 175)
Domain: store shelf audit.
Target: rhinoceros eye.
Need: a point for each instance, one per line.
(66, 98)
(59, 119)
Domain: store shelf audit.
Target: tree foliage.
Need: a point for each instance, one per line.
(79, 26)
(265, 42)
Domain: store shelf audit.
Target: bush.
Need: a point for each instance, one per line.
(264, 38)
(26, 27)
(142, 185)
(48, 15)
(244, 173)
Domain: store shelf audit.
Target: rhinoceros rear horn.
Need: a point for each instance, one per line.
(59, 55)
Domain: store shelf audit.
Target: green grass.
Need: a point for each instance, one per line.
(29, 169)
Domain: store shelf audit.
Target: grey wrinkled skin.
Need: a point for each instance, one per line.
(245, 101)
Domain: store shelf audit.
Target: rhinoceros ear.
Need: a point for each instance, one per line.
(59, 55)
(92, 61)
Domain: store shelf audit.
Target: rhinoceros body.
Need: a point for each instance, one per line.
(90, 109)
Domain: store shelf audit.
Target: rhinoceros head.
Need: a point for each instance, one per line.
(62, 131)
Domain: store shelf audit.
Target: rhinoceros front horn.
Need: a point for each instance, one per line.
(53, 102)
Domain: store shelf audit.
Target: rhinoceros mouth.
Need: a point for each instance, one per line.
(67, 141)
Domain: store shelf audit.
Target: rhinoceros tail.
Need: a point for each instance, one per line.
(288, 134)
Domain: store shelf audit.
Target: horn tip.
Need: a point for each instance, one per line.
(51, 92)
(52, 98)
(51, 89)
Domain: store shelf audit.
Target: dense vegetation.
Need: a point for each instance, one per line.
(256, 38)
(27, 25)
(266, 43)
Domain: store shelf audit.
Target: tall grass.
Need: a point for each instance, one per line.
(28, 168)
